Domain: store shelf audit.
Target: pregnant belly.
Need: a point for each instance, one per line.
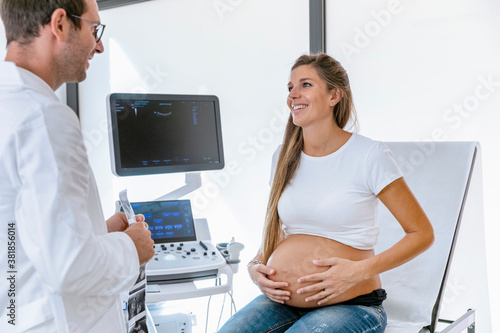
(293, 258)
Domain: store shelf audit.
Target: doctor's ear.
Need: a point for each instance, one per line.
(60, 24)
(337, 95)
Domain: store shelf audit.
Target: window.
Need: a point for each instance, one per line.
(104, 4)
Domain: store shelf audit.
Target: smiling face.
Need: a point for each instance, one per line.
(75, 57)
(309, 100)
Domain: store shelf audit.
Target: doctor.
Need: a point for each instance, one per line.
(66, 265)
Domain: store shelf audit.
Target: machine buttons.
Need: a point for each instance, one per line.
(169, 257)
(175, 258)
(183, 253)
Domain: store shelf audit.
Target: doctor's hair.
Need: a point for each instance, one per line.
(23, 19)
(335, 77)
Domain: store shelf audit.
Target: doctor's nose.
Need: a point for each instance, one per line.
(99, 47)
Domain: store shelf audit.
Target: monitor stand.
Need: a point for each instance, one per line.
(192, 182)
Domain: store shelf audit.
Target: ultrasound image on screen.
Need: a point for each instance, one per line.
(168, 221)
(155, 133)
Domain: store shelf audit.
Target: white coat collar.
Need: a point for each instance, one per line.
(19, 77)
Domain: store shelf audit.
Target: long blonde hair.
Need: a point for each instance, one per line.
(335, 77)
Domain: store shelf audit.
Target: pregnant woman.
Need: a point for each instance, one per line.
(316, 267)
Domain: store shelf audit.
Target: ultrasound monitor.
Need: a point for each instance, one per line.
(157, 133)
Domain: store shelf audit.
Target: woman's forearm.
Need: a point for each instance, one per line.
(419, 234)
(409, 247)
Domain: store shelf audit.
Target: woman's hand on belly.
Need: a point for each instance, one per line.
(272, 289)
(338, 270)
(342, 275)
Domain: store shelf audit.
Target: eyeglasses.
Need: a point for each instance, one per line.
(99, 28)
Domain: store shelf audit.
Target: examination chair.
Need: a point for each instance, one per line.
(449, 278)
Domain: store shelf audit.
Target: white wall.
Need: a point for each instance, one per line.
(427, 70)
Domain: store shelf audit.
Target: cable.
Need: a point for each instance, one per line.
(232, 303)
(221, 310)
(208, 311)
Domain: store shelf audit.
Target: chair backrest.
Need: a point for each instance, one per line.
(438, 173)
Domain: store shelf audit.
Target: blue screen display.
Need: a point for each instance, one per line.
(169, 221)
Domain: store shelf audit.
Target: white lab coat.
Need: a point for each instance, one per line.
(69, 270)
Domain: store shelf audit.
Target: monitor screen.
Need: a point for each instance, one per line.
(155, 133)
(169, 221)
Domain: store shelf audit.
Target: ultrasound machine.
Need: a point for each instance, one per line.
(155, 134)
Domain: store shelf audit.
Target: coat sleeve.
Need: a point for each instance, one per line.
(72, 253)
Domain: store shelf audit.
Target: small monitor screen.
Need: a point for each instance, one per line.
(169, 221)
(154, 133)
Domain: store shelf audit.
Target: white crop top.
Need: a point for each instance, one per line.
(335, 196)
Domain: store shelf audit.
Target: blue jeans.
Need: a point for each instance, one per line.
(265, 316)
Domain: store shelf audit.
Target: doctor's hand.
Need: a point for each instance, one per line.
(141, 237)
(259, 275)
(119, 222)
(342, 275)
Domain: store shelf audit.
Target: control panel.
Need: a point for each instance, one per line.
(172, 261)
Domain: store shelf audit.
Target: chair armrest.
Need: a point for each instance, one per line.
(465, 322)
